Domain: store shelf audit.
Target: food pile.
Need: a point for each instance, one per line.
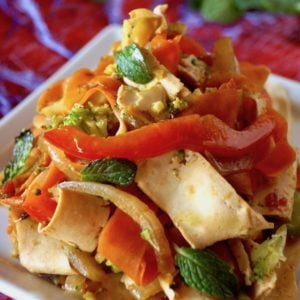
(165, 172)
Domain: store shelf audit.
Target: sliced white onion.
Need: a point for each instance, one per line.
(65, 165)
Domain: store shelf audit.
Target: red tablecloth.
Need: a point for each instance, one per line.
(38, 36)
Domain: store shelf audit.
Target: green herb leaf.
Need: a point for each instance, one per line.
(21, 151)
(205, 272)
(110, 170)
(220, 11)
(131, 63)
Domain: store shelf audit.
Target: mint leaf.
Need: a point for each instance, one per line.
(21, 151)
(205, 272)
(131, 63)
(110, 170)
(220, 11)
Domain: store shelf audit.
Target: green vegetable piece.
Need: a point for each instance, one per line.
(294, 226)
(282, 6)
(205, 272)
(220, 11)
(21, 151)
(110, 170)
(266, 256)
(196, 4)
(248, 4)
(277, 6)
(131, 63)
(92, 120)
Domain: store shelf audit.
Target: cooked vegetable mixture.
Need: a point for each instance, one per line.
(165, 172)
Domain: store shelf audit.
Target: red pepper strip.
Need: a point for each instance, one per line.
(166, 51)
(189, 132)
(9, 188)
(38, 203)
(225, 104)
(189, 45)
(257, 74)
(282, 156)
(120, 242)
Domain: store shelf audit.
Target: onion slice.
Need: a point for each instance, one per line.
(139, 212)
(64, 164)
(85, 264)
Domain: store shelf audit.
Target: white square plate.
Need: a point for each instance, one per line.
(14, 280)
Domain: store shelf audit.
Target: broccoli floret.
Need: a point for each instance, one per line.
(266, 256)
(92, 120)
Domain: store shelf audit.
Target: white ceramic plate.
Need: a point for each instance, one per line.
(14, 280)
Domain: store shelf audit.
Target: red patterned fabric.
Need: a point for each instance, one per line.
(3, 297)
(38, 36)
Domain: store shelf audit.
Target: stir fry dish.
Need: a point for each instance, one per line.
(164, 173)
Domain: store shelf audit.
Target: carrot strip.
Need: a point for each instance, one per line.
(120, 242)
(38, 203)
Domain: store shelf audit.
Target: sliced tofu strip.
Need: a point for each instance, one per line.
(40, 253)
(278, 198)
(78, 219)
(200, 202)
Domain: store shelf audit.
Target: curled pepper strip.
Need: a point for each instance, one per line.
(194, 132)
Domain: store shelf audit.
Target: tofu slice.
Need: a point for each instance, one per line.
(40, 253)
(200, 202)
(283, 189)
(78, 220)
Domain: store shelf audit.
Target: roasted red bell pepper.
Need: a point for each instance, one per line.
(189, 132)
(38, 202)
(167, 51)
(282, 156)
(225, 103)
(193, 132)
(120, 242)
(188, 45)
